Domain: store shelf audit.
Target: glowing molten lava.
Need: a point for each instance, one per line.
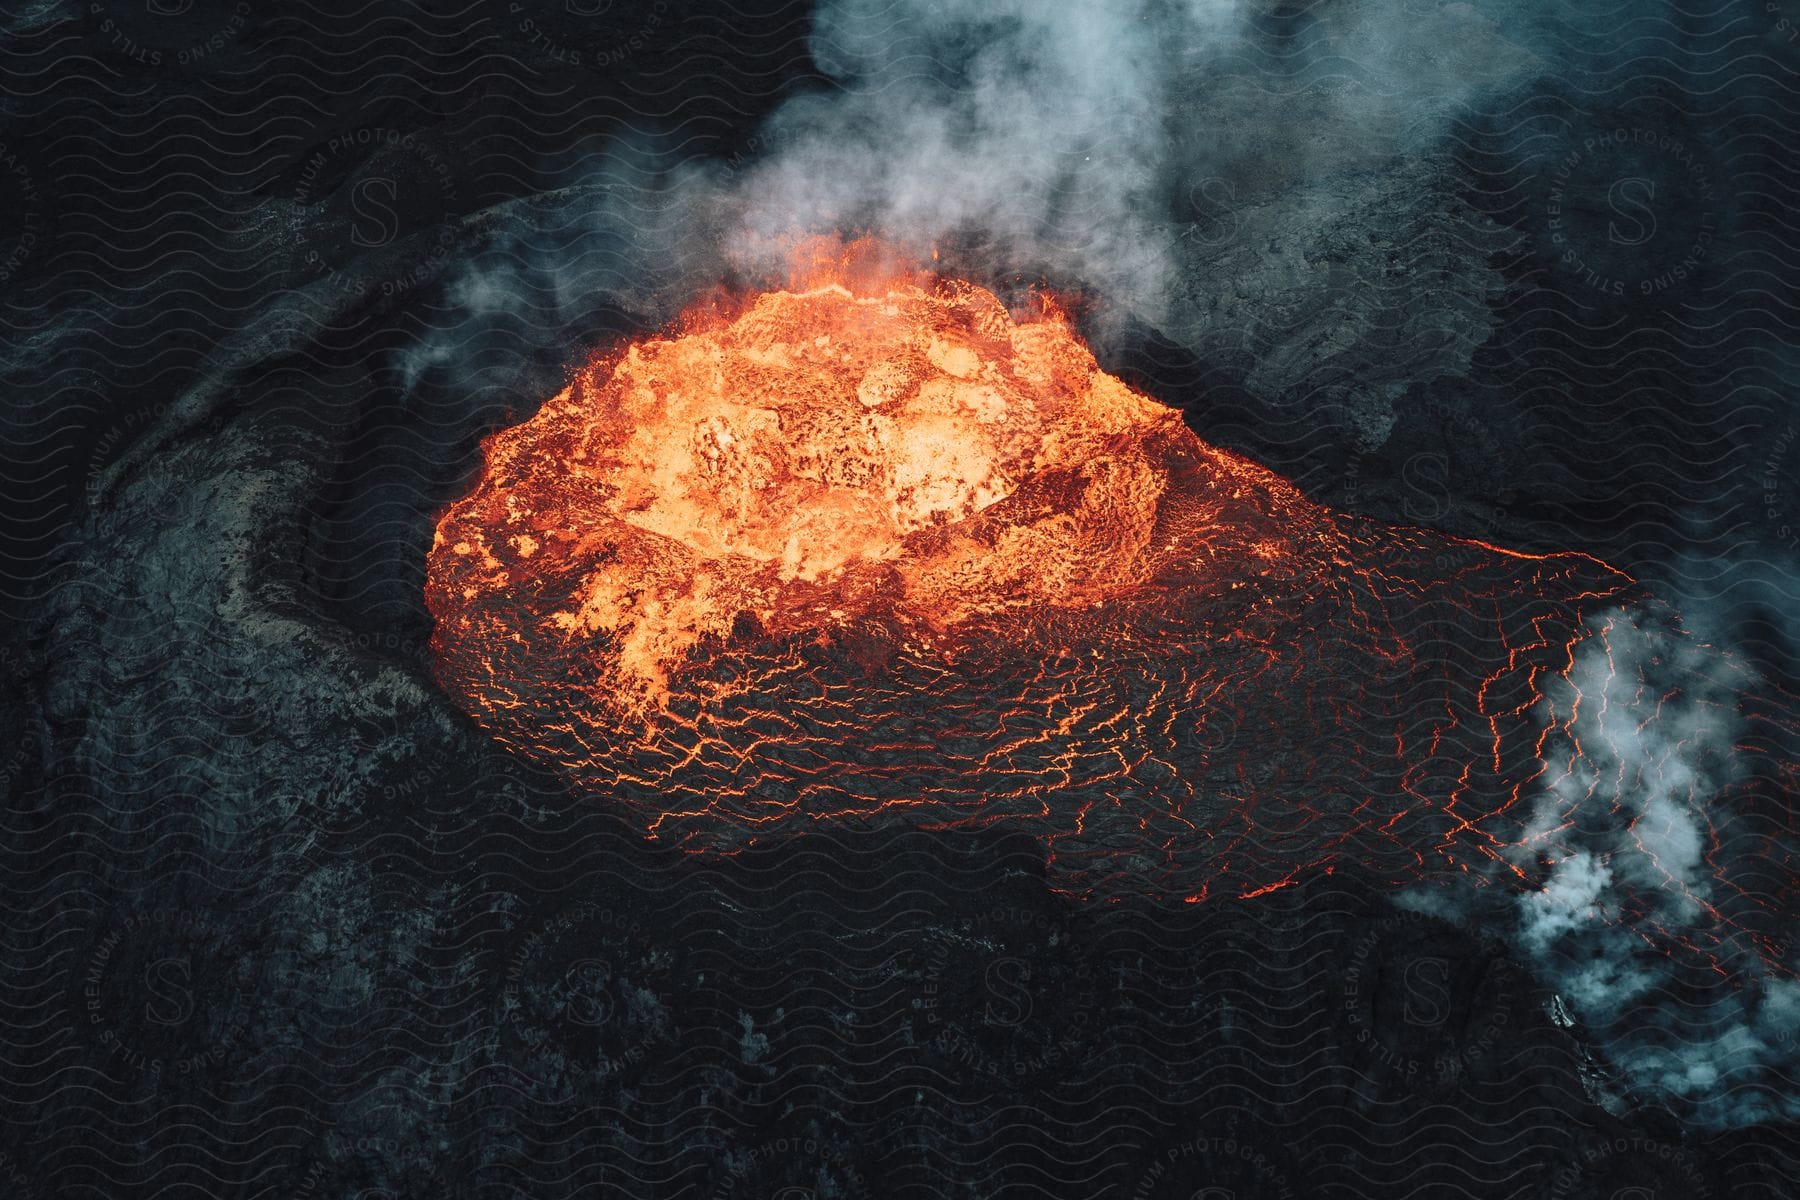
(889, 548)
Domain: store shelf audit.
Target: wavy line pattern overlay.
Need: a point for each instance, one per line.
(283, 921)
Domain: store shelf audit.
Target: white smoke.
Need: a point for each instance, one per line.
(1070, 143)
(1043, 130)
(1076, 138)
(1634, 847)
(1643, 725)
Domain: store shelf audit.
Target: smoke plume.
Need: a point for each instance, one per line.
(1638, 916)
(1101, 148)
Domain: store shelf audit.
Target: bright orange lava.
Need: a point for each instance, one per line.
(875, 545)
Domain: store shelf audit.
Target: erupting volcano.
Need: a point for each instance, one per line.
(876, 547)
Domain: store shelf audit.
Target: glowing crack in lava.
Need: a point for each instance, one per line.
(876, 547)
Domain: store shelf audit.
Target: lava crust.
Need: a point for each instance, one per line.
(889, 550)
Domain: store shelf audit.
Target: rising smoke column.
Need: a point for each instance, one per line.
(1074, 140)
(1068, 142)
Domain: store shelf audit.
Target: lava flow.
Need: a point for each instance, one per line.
(875, 547)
